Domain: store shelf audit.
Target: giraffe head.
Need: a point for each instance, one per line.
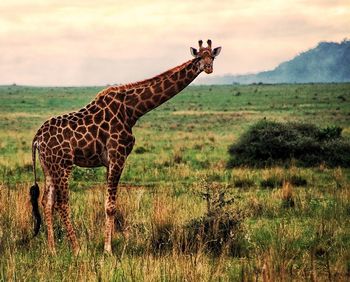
(206, 56)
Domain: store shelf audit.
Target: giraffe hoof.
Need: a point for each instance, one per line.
(108, 251)
(52, 252)
(76, 251)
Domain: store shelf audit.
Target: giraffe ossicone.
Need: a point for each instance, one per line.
(100, 134)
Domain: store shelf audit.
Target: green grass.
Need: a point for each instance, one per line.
(180, 148)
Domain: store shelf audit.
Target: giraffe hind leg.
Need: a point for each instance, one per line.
(62, 206)
(48, 203)
(64, 211)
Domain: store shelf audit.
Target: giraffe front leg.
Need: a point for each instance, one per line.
(117, 153)
(114, 173)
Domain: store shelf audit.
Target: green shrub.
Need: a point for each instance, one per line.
(243, 183)
(269, 143)
(297, 180)
(140, 150)
(276, 181)
(271, 182)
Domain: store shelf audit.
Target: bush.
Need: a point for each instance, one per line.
(243, 183)
(214, 233)
(276, 181)
(297, 180)
(219, 229)
(271, 182)
(140, 150)
(269, 143)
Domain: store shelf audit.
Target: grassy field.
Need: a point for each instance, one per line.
(181, 153)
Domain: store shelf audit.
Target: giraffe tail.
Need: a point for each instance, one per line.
(34, 193)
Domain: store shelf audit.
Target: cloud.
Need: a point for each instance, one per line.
(88, 42)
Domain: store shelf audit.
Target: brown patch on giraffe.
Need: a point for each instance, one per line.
(73, 118)
(93, 130)
(130, 91)
(52, 142)
(157, 88)
(64, 123)
(174, 77)
(93, 108)
(78, 135)
(67, 133)
(120, 96)
(100, 103)
(74, 142)
(52, 130)
(45, 128)
(88, 119)
(60, 138)
(182, 74)
(149, 104)
(78, 153)
(157, 98)
(98, 117)
(81, 129)
(107, 115)
(108, 99)
(146, 94)
(79, 115)
(139, 90)
(167, 84)
(141, 107)
(169, 90)
(98, 146)
(114, 108)
(82, 143)
(102, 135)
(88, 136)
(73, 125)
(52, 121)
(105, 126)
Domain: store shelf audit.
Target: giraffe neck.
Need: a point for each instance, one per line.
(144, 96)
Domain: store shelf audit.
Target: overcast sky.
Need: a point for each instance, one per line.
(85, 42)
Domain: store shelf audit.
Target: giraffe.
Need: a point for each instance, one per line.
(100, 134)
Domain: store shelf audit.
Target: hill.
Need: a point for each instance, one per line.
(327, 62)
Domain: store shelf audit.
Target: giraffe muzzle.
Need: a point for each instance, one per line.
(208, 70)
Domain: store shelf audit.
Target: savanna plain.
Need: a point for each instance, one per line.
(182, 214)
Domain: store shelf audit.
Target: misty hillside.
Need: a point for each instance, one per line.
(327, 62)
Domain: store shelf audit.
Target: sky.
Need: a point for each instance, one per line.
(89, 42)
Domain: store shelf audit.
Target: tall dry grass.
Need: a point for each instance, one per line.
(208, 231)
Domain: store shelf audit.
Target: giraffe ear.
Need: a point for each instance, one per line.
(216, 51)
(194, 52)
